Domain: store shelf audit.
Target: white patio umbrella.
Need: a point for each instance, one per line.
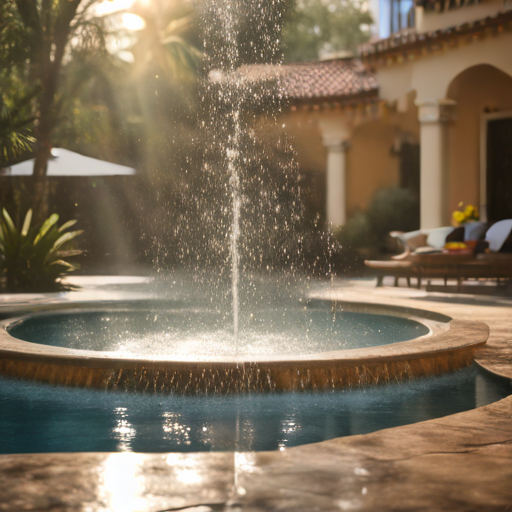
(68, 163)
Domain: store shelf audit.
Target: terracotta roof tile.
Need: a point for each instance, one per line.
(327, 79)
(317, 80)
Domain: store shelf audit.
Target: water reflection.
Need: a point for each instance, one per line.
(290, 427)
(122, 483)
(189, 476)
(123, 431)
(37, 418)
(175, 430)
(187, 470)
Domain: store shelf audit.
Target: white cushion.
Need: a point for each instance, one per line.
(498, 233)
(437, 237)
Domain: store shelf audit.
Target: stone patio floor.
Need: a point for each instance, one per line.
(456, 463)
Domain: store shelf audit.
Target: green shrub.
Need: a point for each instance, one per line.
(357, 243)
(365, 234)
(33, 258)
(392, 209)
(356, 232)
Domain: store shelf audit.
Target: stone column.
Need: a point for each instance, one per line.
(434, 176)
(336, 180)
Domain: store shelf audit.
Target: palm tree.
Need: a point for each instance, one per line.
(15, 136)
(50, 50)
(35, 38)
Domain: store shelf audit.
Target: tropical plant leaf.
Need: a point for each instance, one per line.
(9, 223)
(61, 263)
(69, 253)
(179, 25)
(47, 224)
(67, 225)
(10, 234)
(66, 237)
(26, 224)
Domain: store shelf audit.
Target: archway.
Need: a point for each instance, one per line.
(480, 141)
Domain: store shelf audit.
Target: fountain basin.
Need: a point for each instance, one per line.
(448, 345)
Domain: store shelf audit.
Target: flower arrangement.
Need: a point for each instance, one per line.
(467, 214)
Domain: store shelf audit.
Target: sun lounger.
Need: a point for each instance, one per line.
(426, 267)
(445, 265)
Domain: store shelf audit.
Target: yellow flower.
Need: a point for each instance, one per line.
(458, 217)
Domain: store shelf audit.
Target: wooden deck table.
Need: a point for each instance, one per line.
(445, 265)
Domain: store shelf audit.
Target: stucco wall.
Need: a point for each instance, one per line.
(371, 164)
(475, 90)
(427, 21)
(306, 138)
(430, 75)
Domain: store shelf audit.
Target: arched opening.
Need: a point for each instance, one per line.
(480, 141)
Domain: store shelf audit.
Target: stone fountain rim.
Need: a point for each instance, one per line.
(446, 335)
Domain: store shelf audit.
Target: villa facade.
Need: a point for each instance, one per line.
(426, 107)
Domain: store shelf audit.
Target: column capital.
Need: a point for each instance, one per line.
(435, 111)
(336, 143)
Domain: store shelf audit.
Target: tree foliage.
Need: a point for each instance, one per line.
(16, 117)
(38, 39)
(316, 28)
(63, 79)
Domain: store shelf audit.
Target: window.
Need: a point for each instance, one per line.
(395, 15)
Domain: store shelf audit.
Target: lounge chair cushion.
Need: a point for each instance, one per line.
(412, 239)
(474, 231)
(437, 237)
(498, 233)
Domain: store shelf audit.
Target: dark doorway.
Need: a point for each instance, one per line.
(410, 168)
(499, 169)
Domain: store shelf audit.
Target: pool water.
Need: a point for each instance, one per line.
(37, 418)
(207, 332)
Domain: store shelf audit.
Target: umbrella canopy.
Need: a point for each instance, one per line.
(68, 163)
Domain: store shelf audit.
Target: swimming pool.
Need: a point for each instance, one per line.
(40, 418)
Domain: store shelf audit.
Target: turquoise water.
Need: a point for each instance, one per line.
(38, 418)
(285, 330)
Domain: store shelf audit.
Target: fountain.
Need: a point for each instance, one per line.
(244, 227)
(256, 207)
(314, 347)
